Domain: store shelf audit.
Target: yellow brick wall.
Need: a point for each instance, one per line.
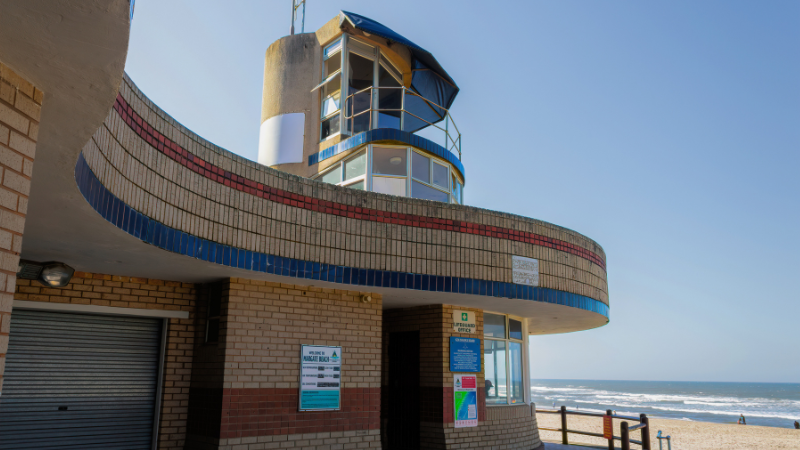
(267, 323)
(140, 293)
(20, 111)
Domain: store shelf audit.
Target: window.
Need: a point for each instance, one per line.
(458, 190)
(390, 161)
(331, 90)
(503, 359)
(213, 312)
(350, 172)
(390, 95)
(430, 178)
(333, 176)
(361, 73)
(440, 176)
(386, 169)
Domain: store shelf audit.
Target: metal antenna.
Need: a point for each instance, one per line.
(295, 6)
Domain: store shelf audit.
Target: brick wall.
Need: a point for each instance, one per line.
(263, 327)
(20, 110)
(140, 293)
(509, 427)
(171, 175)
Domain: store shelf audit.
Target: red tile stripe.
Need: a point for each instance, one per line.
(215, 173)
(266, 412)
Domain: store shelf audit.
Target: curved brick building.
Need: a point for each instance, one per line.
(336, 294)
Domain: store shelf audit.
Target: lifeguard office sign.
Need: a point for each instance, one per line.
(464, 321)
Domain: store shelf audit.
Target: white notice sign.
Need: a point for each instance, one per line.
(525, 270)
(320, 378)
(464, 321)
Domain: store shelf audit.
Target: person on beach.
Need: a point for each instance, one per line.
(796, 425)
(742, 421)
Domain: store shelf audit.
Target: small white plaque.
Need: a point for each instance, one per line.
(525, 270)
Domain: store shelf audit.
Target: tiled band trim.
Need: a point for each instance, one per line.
(266, 412)
(387, 134)
(215, 173)
(156, 233)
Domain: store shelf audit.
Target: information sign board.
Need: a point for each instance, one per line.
(608, 428)
(320, 378)
(464, 321)
(465, 354)
(465, 401)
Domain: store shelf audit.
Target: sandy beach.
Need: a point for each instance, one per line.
(685, 435)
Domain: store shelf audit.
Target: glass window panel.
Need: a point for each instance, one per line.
(390, 68)
(357, 186)
(420, 167)
(494, 325)
(329, 127)
(355, 167)
(494, 363)
(329, 85)
(440, 176)
(331, 66)
(359, 104)
(515, 369)
(334, 176)
(389, 161)
(389, 98)
(419, 190)
(361, 70)
(457, 190)
(330, 105)
(391, 186)
(333, 48)
(514, 329)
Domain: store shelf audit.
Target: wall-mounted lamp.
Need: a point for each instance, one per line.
(50, 274)
(366, 298)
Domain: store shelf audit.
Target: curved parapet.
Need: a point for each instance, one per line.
(167, 187)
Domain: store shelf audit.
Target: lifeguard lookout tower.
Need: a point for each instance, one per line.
(358, 105)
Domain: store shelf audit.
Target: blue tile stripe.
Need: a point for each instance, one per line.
(156, 233)
(387, 134)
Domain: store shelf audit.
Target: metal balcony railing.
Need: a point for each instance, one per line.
(402, 109)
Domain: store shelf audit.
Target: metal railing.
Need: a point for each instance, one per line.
(361, 113)
(661, 439)
(625, 430)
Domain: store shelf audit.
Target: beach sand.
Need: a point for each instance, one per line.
(685, 435)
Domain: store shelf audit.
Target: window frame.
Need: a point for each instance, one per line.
(526, 396)
(369, 176)
(343, 45)
(339, 52)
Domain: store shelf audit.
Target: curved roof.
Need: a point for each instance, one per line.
(429, 78)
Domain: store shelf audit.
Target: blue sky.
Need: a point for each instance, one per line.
(669, 132)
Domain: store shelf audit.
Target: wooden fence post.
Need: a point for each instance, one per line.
(645, 432)
(626, 438)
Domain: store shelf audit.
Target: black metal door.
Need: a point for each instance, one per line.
(402, 409)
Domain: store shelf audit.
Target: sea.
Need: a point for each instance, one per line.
(766, 404)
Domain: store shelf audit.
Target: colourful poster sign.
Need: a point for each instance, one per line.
(465, 354)
(320, 378)
(465, 401)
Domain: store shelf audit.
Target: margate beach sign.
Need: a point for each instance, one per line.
(320, 378)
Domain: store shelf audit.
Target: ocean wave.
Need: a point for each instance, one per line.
(547, 389)
(727, 413)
